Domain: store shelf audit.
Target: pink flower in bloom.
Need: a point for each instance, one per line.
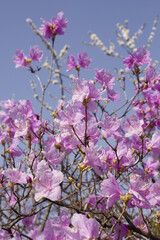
(12, 148)
(71, 62)
(63, 219)
(29, 222)
(47, 182)
(88, 228)
(120, 230)
(21, 60)
(154, 145)
(37, 235)
(154, 194)
(86, 90)
(105, 78)
(15, 175)
(55, 230)
(92, 130)
(19, 119)
(110, 189)
(52, 153)
(134, 126)
(139, 189)
(150, 74)
(139, 57)
(35, 53)
(139, 223)
(106, 157)
(12, 199)
(83, 61)
(54, 27)
(124, 153)
(70, 115)
(91, 159)
(92, 200)
(129, 63)
(151, 167)
(60, 226)
(110, 127)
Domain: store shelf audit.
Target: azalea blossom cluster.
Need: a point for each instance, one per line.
(21, 59)
(86, 173)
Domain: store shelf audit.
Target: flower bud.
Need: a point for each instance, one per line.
(70, 179)
(10, 185)
(149, 148)
(82, 166)
(29, 180)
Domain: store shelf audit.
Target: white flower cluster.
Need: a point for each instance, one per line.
(152, 34)
(63, 51)
(123, 38)
(124, 31)
(100, 44)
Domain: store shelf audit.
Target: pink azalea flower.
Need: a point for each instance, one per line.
(129, 63)
(71, 62)
(29, 222)
(12, 149)
(92, 200)
(124, 153)
(47, 183)
(110, 189)
(105, 78)
(35, 53)
(57, 229)
(86, 90)
(140, 190)
(37, 235)
(83, 61)
(91, 159)
(52, 154)
(21, 60)
(54, 27)
(110, 127)
(11, 198)
(134, 126)
(139, 223)
(70, 115)
(112, 95)
(151, 167)
(154, 144)
(20, 120)
(63, 219)
(139, 57)
(60, 226)
(154, 194)
(15, 175)
(106, 157)
(150, 74)
(120, 230)
(88, 227)
(93, 132)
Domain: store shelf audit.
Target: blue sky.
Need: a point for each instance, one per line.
(98, 16)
